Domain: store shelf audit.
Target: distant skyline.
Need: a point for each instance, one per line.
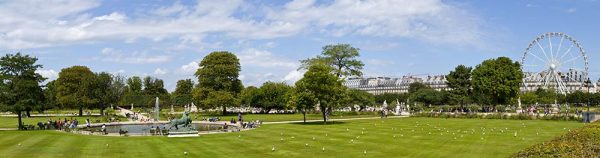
(167, 39)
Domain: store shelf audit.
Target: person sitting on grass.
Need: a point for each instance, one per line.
(103, 129)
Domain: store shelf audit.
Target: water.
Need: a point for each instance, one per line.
(144, 129)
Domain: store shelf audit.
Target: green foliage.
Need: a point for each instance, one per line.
(497, 81)
(416, 86)
(217, 99)
(249, 96)
(583, 142)
(19, 84)
(154, 86)
(360, 98)
(342, 58)
(75, 88)
(183, 92)
(326, 88)
(218, 74)
(430, 96)
(459, 81)
(271, 95)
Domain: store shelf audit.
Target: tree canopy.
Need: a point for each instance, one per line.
(74, 87)
(20, 88)
(497, 81)
(342, 58)
(218, 74)
(326, 88)
(459, 80)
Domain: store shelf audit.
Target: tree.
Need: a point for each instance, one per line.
(249, 96)
(223, 99)
(183, 92)
(379, 99)
(133, 92)
(342, 58)
(101, 90)
(528, 98)
(360, 98)
(272, 96)
(19, 84)
(74, 87)
(301, 99)
(497, 80)
(459, 81)
(326, 88)
(416, 86)
(154, 87)
(218, 73)
(50, 96)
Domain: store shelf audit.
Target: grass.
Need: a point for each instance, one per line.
(11, 122)
(398, 137)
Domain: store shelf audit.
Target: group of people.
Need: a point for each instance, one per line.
(60, 124)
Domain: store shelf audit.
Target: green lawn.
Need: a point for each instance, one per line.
(399, 137)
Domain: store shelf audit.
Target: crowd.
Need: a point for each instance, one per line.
(61, 124)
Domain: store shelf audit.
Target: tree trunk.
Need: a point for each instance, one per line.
(80, 110)
(20, 122)
(224, 110)
(304, 114)
(28, 113)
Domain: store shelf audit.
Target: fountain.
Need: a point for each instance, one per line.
(156, 110)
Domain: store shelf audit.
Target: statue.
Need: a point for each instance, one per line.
(184, 120)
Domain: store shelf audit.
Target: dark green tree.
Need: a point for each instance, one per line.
(416, 86)
(74, 88)
(459, 81)
(342, 58)
(218, 74)
(272, 96)
(497, 80)
(301, 99)
(249, 96)
(19, 84)
(183, 92)
(326, 88)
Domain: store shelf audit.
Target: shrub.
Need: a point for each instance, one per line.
(583, 142)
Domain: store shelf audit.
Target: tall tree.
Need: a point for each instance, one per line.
(50, 95)
(498, 80)
(342, 58)
(249, 96)
(218, 72)
(301, 99)
(74, 87)
(19, 84)
(459, 81)
(272, 96)
(326, 88)
(133, 92)
(183, 92)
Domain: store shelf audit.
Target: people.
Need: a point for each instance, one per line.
(103, 129)
(88, 123)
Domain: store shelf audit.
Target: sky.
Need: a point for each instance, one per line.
(167, 39)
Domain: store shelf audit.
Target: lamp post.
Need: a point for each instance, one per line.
(588, 84)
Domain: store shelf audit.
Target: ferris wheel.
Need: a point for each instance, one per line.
(554, 61)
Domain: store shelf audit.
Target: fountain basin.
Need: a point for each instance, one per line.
(149, 128)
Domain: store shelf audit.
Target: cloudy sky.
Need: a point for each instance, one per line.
(167, 39)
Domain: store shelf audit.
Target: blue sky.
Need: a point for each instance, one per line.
(166, 39)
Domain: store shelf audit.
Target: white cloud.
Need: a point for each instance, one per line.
(293, 76)
(30, 24)
(50, 74)
(189, 68)
(113, 55)
(265, 59)
(428, 20)
(571, 10)
(160, 71)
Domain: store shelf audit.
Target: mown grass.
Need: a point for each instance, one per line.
(398, 137)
